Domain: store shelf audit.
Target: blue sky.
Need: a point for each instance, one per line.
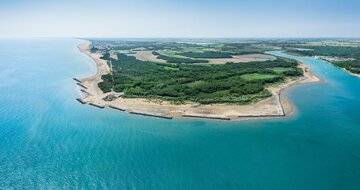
(180, 18)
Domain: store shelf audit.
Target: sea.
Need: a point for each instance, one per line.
(48, 140)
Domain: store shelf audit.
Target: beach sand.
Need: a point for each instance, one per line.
(275, 106)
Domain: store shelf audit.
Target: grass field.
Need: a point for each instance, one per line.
(258, 76)
(280, 70)
(171, 68)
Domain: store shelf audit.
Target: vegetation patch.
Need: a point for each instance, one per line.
(228, 83)
(280, 70)
(352, 66)
(171, 68)
(259, 76)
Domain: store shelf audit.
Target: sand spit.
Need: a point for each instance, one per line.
(275, 106)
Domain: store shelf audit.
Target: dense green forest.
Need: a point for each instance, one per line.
(229, 83)
(352, 66)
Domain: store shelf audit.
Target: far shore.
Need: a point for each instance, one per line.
(275, 106)
(349, 72)
(344, 69)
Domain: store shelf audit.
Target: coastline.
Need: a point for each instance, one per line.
(349, 72)
(275, 106)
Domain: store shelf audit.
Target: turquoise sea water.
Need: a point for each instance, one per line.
(50, 141)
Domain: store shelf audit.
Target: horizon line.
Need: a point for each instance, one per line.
(173, 37)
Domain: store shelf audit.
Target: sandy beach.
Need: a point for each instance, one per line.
(275, 106)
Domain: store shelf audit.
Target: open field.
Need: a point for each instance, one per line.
(243, 58)
(148, 56)
(259, 76)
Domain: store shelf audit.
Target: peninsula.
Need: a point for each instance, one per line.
(169, 79)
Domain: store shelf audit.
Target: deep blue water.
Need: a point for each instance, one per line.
(50, 141)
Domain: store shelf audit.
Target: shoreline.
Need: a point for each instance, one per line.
(350, 73)
(275, 106)
(344, 69)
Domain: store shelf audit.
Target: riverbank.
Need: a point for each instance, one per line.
(275, 106)
(327, 61)
(344, 69)
(353, 74)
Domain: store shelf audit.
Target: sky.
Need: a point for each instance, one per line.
(180, 18)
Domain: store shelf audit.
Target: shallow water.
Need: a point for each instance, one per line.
(50, 141)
